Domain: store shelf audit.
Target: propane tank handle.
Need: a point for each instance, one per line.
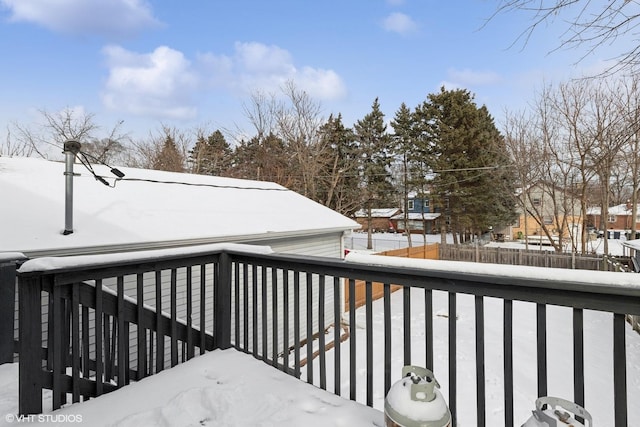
(423, 383)
(574, 408)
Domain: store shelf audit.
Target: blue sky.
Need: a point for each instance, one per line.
(194, 63)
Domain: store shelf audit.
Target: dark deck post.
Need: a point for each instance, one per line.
(7, 309)
(30, 370)
(222, 303)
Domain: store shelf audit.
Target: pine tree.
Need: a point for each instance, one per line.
(211, 155)
(338, 189)
(403, 146)
(375, 159)
(474, 184)
(169, 158)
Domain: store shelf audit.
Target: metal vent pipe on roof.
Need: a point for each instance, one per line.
(71, 148)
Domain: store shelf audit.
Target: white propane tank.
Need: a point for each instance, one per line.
(415, 401)
(556, 414)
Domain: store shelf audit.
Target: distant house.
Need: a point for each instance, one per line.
(380, 219)
(154, 209)
(421, 216)
(543, 206)
(618, 218)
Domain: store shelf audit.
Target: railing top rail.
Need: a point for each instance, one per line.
(598, 290)
(607, 291)
(9, 257)
(128, 262)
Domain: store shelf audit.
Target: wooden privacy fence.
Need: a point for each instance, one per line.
(421, 252)
(531, 258)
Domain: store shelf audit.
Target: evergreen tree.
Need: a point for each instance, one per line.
(168, 158)
(473, 181)
(403, 146)
(338, 189)
(375, 159)
(211, 155)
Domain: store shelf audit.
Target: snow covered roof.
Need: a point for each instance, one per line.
(429, 216)
(622, 209)
(377, 213)
(147, 207)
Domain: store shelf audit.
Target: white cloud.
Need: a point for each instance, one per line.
(399, 23)
(259, 67)
(165, 84)
(105, 18)
(473, 78)
(160, 83)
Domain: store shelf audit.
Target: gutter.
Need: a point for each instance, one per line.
(164, 244)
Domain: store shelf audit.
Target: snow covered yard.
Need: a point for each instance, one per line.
(598, 339)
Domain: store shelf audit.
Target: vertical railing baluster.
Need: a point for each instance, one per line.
(98, 317)
(236, 303)
(337, 338)
(245, 302)
(123, 337)
(254, 302)
(619, 370)
(480, 370)
(369, 340)
(85, 366)
(406, 310)
(309, 299)
(142, 335)
(58, 344)
(296, 323)
(189, 291)
(263, 312)
(321, 328)
(203, 307)
(352, 339)
(541, 344)
(285, 319)
(75, 343)
(387, 336)
(508, 362)
(159, 329)
(428, 328)
(578, 357)
(106, 336)
(453, 366)
(174, 317)
(274, 316)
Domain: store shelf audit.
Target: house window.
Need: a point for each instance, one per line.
(548, 220)
(410, 205)
(517, 223)
(611, 218)
(536, 201)
(426, 203)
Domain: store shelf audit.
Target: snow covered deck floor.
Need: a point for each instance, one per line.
(220, 388)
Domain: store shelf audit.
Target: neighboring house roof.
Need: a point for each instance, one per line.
(622, 209)
(175, 207)
(377, 213)
(418, 216)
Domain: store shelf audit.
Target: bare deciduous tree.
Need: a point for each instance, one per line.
(587, 23)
